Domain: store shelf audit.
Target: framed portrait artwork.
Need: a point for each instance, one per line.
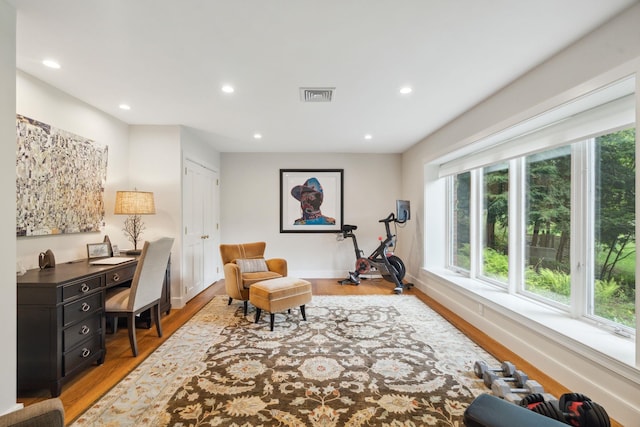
(311, 200)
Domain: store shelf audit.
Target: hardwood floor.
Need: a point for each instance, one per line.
(80, 393)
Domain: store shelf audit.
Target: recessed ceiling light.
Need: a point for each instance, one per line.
(405, 90)
(51, 63)
(228, 89)
(257, 135)
(368, 136)
(125, 107)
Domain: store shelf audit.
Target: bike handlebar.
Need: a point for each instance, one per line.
(390, 218)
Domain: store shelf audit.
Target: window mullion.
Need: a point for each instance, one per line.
(517, 225)
(637, 201)
(475, 230)
(582, 226)
(449, 221)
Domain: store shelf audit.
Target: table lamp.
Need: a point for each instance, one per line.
(134, 204)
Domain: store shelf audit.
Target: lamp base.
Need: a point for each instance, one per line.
(133, 252)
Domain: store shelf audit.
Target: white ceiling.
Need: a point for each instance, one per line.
(169, 58)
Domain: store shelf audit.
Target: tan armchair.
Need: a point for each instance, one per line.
(244, 266)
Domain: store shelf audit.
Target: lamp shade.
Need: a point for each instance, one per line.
(134, 203)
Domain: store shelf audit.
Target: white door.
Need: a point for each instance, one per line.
(200, 226)
(211, 227)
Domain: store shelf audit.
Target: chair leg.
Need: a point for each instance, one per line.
(114, 324)
(156, 310)
(258, 312)
(246, 307)
(272, 320)
(304, 315)
(230, 299)
(131, 325)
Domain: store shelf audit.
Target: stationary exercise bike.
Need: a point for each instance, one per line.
(390, 266)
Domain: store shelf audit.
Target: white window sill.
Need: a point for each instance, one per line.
(615, 352)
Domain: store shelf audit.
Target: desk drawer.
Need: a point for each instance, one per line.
(82, 308)
(82, 354)
(81, 330)
(81, 287)
(120, 275)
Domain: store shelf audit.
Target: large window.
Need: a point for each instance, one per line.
(603, 219)
(550, 214)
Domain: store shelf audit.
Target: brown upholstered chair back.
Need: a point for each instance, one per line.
(230, 253)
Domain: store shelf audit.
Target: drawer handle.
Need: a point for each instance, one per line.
(86, 352)
(116, 277)
(85, 288)
(85, 307)
(85, 330)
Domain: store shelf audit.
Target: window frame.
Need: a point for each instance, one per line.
(582, 256)
(521, 284)
(482, 199)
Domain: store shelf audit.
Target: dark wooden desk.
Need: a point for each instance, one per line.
(61, 322)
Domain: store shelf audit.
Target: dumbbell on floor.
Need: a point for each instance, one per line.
(480, 367)
(538, 403)
(502, 389)
(519, 378)
(573, 408)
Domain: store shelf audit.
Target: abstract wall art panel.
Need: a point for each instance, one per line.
(60, 181)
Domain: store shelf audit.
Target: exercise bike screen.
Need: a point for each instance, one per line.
(403, 210)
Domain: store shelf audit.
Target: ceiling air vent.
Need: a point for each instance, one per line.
(316, 94)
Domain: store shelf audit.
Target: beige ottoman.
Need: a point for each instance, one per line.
(283, 293)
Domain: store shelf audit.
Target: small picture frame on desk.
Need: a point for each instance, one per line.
(97, 250)
(116, 250)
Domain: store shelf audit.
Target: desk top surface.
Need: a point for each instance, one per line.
(68, 271)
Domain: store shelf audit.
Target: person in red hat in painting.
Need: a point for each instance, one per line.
(310, 196)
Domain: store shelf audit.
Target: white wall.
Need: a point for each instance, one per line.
(154, 165)
(39, 101)
(250, 200)
(8, 214)
(196, 149)
(611, 52)
(155, 157)
(148, 158)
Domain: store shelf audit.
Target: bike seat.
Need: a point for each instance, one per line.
(348, 228)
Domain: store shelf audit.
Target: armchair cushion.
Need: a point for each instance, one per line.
(252, 265)
(249, 279)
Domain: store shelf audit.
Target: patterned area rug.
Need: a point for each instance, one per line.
(357, 361)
